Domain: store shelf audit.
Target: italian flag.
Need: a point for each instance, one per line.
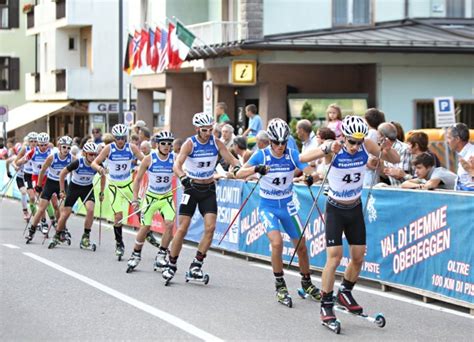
(181, 41)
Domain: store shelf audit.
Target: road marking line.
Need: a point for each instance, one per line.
(11, 246)
(169, 318)
(393, 296)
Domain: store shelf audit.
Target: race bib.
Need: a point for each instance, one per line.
(185, 199)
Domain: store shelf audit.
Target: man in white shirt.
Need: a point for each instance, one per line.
(458, 141)
(304, 129)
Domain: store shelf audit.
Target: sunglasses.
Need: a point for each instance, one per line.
(121, 138)
(355, 142)
(278, 143)
(65, 147)
(91, 154)
(42, 145)
(205, 130)
(166, 143)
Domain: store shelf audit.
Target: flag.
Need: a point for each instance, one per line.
(136, 49)
(128, 60)
(152, 56)
(185, 40)
(173, 55)
(163, 51)
(156, 57)
(143, 48)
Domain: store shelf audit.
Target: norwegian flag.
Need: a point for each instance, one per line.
(136, 49)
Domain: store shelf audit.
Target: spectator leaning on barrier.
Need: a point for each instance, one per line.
(305, 133)
(417, 144)
(374, 118)
(228, 135)
(177, 143)
(263, 140)
(429, 177)
(240, 150)
(458, 141)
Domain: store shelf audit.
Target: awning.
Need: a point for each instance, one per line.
(32, 111)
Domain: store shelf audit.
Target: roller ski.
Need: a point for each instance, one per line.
(328, 317)
(168, 273)
(345, 302)
(308, 290)
(195, 273)
(43, 227)
(282, 294)
(161, 260)
(133, 262)
(151, 239)
(119, 250)
(52, 224)
(59, 238)
(31, 234)
(86, 243)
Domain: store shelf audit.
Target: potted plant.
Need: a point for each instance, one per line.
(27, 8)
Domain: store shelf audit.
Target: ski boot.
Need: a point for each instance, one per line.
(151, 239)
(133, 261)
(168, 273)
(119, 250)
(346, 301)
(59, 238)
(43, 227)
(86, 243)
(31, 234)
(328, 317)
(308, 290)
(66, 233)
(161, 259)
(195, 272)
(282, 294)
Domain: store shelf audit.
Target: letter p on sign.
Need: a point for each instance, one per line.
(444, 111)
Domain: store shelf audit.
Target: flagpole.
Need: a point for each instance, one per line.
(120, 54)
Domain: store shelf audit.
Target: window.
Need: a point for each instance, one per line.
(425, 117)
(9, 14)
(351, 12)
(9, 73)
(72, 43)
(455, 9)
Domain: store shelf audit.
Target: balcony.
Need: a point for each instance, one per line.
(218, 32)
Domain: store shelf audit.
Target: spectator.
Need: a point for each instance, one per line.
(217, 131)
(334, 119)
(138, 125)
(305, 133)
(97, 135)
(177, 143)
(228, 135)
(240, 150)
(418, 143)
(108, 138)
(255, 124)
(395, 173)
(374, 118)
(3, 150)
(400, 131)
(263, 140)
(135, 139)
(429, 177)
(145, 147)
(144, 134)
(458, 141)
(221, 117)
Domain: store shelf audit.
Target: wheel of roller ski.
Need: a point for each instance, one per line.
(27, 241)
(301, 293)
(129, 269)
(93, 247)
(80, 245)
(206, 279)
(380, 320)
(51, 245)
(167, 282)
(119, 257)
(68, 242)
(335, 326)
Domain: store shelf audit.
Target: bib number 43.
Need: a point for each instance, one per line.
(351, 178)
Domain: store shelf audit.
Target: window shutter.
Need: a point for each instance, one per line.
(14, 74)
(13, 14)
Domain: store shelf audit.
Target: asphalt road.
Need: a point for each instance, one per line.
(72, 294)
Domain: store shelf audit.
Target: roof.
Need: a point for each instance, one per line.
(32, 111)
(408, 35)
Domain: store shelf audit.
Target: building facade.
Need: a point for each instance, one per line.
(395, 55)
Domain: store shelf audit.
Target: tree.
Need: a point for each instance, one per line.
(306, 113)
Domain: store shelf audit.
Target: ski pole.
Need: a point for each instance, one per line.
(238, 213)
(135, 212)
(7, 186)
(315, 204)
(100, 221)
(28, 222)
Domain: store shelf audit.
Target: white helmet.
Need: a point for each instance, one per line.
(164, 136)
(43, 138)
(89, 147)
(355, 127)
(32, 136)
(65, 140)
(119, 130)
(278, 130)
(203, 119)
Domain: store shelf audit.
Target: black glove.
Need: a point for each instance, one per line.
(262, 169)
(308, 179)
(9, 175)
(236, 169)
(38, 189)
(185, 181)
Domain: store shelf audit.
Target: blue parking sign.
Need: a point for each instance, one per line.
(444, 111)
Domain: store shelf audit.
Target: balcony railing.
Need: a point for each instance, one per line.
(217, 32)
(60, 9)
(60, 80)
(30, 19)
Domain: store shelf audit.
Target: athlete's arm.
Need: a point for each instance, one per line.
(136, 151)
(96, 164)
(20, 155)
(254, 165)
(138, 178)
(228, 157)
(183, 154)
(319, 152)
(388, 153)
(62, 175)
(25, 158)
(44, 168)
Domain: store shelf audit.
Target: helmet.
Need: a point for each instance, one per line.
(43, 138)
(164, 135)
(203, 119)
(354, 127)
(65, 140)
(90, 147)
(32, 136)
(278, 130)
(119, 130)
